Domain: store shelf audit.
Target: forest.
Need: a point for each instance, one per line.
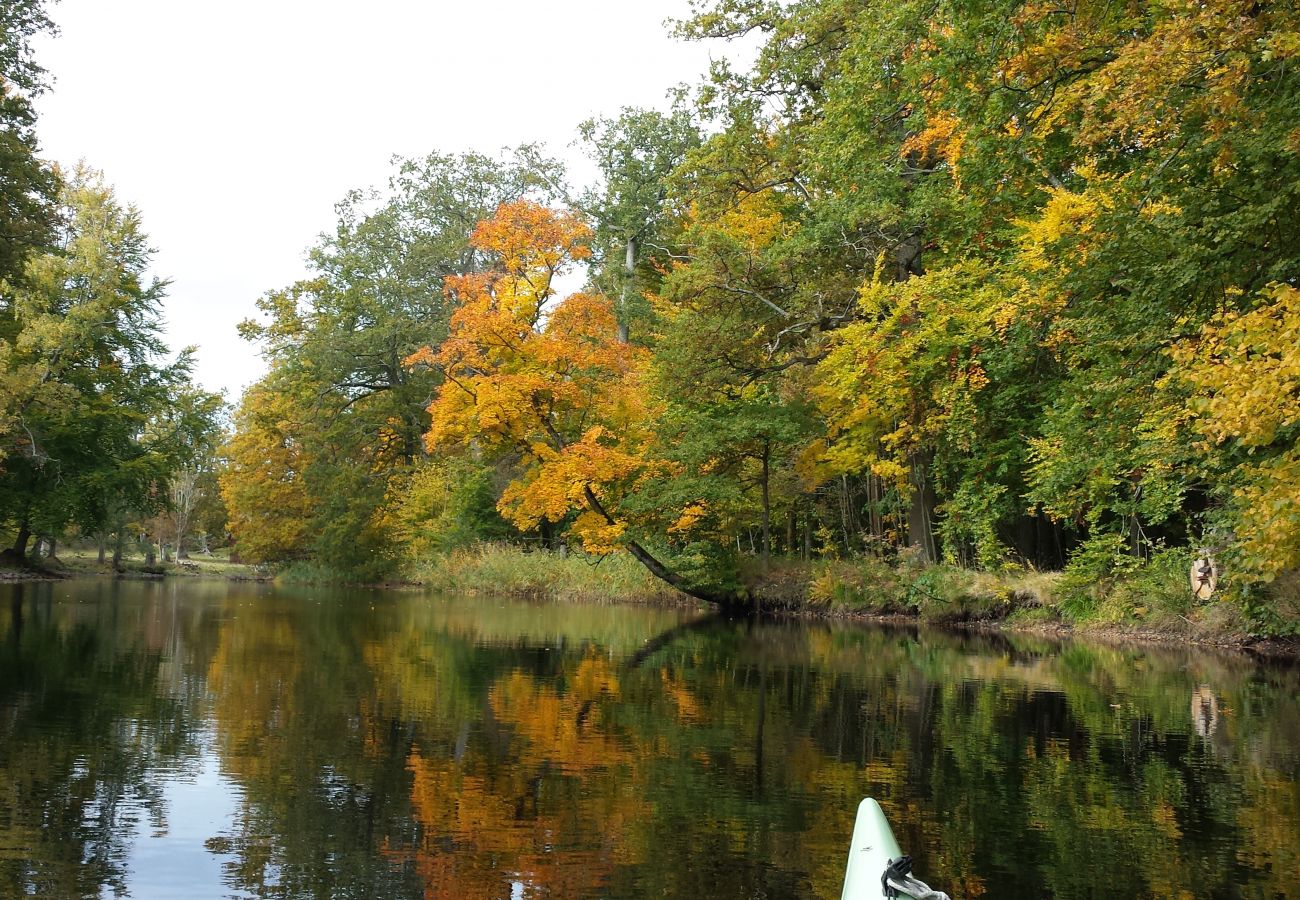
(1000, 287)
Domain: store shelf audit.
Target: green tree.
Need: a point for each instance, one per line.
(28, 187)
(84, 374)
(636, 228)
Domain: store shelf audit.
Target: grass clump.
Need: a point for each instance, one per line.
(935, 593)
(310, 571)
(1104, 584)
(868, 585)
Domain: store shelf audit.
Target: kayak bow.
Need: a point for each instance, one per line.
(877, 867)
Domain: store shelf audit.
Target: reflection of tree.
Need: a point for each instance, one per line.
(534, 822)
(402, 747)
(85, 725)
(319, 763)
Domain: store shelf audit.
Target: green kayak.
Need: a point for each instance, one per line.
(877, 867)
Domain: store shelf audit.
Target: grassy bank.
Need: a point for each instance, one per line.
(503, 569)
(1152, 596)
(495, 569)
(74, 560)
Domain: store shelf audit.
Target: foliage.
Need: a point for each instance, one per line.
(1244, 371)
(28, 186)
(551, 384)
(262, 484)
(635, 228)
(337, 343)
(448, 504)
(1004, 284)
(90, 431)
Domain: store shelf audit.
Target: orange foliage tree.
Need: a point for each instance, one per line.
(549, 381)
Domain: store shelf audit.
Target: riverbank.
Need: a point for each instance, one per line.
(74, 562)
(1151, 603)
(569, 577)
(1147, 603)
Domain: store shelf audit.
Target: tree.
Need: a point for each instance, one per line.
(337, 342)
(263, 483)
(549, 382)
(83, 374)
(194, 419)
(727, 372)
(636, 154)
(1094, 184)
(28, 187)
(1244, 370)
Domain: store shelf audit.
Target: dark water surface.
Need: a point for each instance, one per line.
(206, 739)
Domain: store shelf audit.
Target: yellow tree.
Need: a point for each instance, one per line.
(1245, 373)
(262, 484)
(547, 380)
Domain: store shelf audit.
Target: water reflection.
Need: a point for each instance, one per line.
(317, 744)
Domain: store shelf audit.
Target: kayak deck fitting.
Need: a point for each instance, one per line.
(877, 868)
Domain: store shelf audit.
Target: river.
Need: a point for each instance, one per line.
(203, 738)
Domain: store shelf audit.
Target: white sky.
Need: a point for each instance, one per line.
(236, 126)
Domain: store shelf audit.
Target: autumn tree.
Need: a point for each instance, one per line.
(728, 364)
(337, 342)
(548, 381)
(1074, 191)
(1244, 371)
(263, 483)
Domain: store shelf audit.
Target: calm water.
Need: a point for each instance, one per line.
(205, 739)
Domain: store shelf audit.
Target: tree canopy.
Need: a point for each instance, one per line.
(998, 284)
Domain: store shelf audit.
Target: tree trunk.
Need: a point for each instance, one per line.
(807, 528)
(21, 540)
(629, 274)
(1135, 536)
(50, 548)
(874, 496)
(119, 546)
(765, 551)
(846, 516)
(920, 513)
(791, 528)
(655, 567)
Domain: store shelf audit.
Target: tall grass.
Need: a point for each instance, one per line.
(503, 569)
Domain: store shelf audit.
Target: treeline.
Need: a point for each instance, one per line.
(101, 434)
(999, 283)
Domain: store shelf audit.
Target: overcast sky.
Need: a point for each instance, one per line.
(236, 126)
